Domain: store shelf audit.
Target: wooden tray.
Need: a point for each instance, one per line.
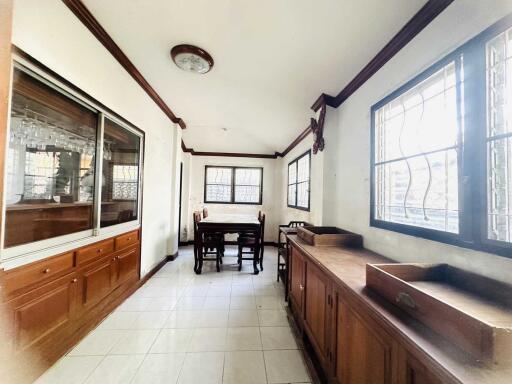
(329, 236)
(472, 311)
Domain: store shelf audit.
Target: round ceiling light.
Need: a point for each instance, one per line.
(191, 58)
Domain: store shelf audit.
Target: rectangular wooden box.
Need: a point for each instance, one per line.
(329, 236)
(472, 311)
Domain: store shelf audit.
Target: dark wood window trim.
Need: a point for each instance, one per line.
(233, 172)
(472, 158)
(296, 161)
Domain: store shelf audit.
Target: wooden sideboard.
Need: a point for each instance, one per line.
(357, 337)
(49, 305)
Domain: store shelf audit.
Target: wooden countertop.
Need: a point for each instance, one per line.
(28, 207)
(347, 267)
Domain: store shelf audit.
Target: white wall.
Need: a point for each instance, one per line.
(52, 34)
(271, 192)
(347, 157)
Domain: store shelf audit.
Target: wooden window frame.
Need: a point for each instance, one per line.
(232, 193)
(472, 158)
(296, 161)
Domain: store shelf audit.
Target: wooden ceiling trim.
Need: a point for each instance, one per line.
(227, 154)
(87, 18)
(413, 27)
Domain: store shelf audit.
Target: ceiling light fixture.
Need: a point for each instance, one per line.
(191, 58)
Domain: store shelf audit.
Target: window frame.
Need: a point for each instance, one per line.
(66, 88)
(472, 153)
(232, 191)
(296, 161)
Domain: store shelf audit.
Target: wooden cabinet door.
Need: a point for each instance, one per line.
(127, 265)
(317, 310)
(411, 371)
(97, 281)
(363, 350)
(41, 311)
(297, 269)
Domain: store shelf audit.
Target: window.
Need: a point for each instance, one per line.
(233, 185)
(441, 160)
(52, 184)
(416, 137)
(299, 182)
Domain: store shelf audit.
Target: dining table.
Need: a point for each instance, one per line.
(225, 224)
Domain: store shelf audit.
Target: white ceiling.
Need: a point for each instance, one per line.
(273, 58)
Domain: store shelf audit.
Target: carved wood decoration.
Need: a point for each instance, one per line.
(317, 126)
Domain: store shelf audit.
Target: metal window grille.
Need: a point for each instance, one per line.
(416, 155)
(499, 137)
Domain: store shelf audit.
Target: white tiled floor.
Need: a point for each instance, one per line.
(227, 327)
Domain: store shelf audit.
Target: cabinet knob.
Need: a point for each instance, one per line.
(99, 250)
(47, 270)
(74, 280)
(114, 259)
(301, 287)
(129, 238)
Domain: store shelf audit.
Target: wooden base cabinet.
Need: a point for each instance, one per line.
(364, 352)
(48, 305)
(37, 313)
(351, 346)
(296, 278)
(317, 311)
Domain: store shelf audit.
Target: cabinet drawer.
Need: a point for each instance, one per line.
(94, 251)
(126, 240)
(26, 276)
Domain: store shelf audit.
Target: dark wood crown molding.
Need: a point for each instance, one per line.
(295, 142)
(87, 18)
(413, 27)
(227, 154)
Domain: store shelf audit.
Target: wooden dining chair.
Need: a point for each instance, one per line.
(282, 253)
(211, 244)
(254, 242)
(223, 246)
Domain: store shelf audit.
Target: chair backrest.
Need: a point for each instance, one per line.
(197, 218)
(205, 212)
(261, 219)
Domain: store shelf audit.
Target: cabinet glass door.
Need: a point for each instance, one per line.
(120, 179)
(49, 186)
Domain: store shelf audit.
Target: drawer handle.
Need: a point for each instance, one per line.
(301, 287)
(113, 259)
(47, 270)
(74, 280)
(406, 299)
(100, 250)
(129, 238)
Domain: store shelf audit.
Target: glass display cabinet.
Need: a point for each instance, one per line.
(52, 187)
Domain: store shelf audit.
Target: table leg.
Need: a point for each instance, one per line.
(256, 257)
(199, 267)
